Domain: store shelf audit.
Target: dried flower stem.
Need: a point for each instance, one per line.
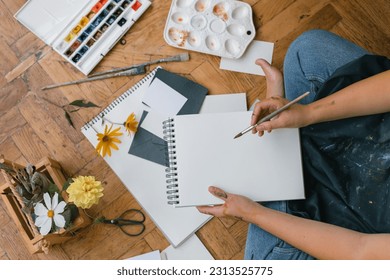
(111, 122)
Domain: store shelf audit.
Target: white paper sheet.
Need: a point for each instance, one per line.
(208, 155)
(154, 255)
(163, 99)
(232, 102)
(246, 63)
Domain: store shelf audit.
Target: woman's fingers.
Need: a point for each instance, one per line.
(273, 77)
(219, 193)
(218, 209)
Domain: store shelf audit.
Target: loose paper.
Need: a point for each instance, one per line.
(163, 99)
(246, 63)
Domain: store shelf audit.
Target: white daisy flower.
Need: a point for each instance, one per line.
(46, 215)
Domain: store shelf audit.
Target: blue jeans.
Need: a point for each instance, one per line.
(310, 61)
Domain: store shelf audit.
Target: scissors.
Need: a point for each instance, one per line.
(131, 222)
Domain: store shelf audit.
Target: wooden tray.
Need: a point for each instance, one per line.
(34, 241)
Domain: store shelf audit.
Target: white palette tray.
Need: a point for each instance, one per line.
(221, 28)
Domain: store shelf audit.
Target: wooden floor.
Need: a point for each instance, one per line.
(32, 123)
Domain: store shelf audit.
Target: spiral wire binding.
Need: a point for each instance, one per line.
(171, 171)
(118, 100)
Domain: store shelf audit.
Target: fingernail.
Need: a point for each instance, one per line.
(258, 60)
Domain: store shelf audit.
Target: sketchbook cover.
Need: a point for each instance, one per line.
(264, 169)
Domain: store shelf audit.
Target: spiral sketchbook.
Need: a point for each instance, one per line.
(143, 178)
(203, 153)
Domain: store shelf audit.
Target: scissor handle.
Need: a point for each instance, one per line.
(124, 223)
(122, 216)
(123, 229)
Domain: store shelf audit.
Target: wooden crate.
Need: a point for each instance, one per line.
(34, 241)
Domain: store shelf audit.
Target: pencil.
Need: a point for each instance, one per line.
(272, 115)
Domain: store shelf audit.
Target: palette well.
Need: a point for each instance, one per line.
(81, 31)
(222, 28)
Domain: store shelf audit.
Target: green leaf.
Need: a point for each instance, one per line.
(74, 211)
(67, 216)
(53, 188)
(70, 213)
(67, 116)
(67, 183)
(83, 103)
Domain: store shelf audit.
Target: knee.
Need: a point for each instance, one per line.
(307, 41)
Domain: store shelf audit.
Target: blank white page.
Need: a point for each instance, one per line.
(264, 169)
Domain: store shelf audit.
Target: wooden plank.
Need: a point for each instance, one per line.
(53, 102)
(11, 30)
(374, 39)
(156, 240)
(12, 243)
(267, 9)
(258, 92)
(239, 232)
(4, 217)
(218, 240)
(30, 145)
(13, 5)
(56, 141)
(370, 14)
(26, 64)
(11, 94)
(10, 151)
(55, 253)
(141, 247)
(89, 154)
(3, 254)
(228, 222)
(29, 45)
(296, 14)
(228, 82)
(8, 59)
(239, 255)
(10, 121)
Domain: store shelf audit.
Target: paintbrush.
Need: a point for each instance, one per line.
(272, 115)
(131, 72)
(175, 58)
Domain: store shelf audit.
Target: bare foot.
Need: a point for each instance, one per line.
(274, 79)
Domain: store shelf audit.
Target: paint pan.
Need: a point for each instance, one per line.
(82, 31)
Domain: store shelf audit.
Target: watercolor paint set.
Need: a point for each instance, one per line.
(81, 31)
(217, 27)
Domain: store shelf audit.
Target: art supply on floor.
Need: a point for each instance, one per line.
(176, 58)
(82, 31)
(131, 72)
(221, 28)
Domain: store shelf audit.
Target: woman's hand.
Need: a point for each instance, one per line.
(295, 116)
(274, 79)
(237, 206)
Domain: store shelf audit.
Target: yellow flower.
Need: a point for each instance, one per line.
(131, 124)
(107, 141)
(85, 191)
